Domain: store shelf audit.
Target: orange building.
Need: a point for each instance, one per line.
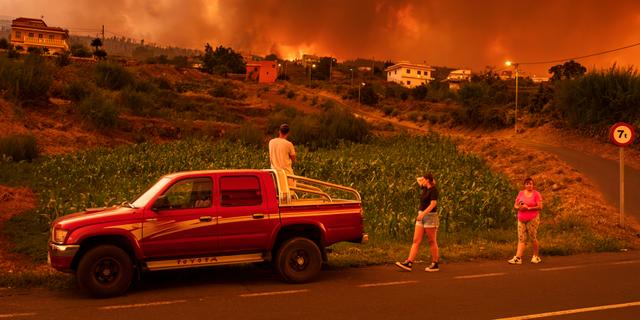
(27, 33)
(262, 71)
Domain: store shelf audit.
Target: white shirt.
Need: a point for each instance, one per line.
(280, 153)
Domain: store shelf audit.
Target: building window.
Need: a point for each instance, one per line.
(30, 34)
(418, 72)
(408, 71)
(18, 34)
(51, 36)
(408, 82)
(395, 72)
(40, 35)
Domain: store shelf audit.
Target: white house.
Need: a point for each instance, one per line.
(455, 77)
(459, 75)
(408, 74)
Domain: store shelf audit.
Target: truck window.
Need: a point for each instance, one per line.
(238, 191)
(189, 193)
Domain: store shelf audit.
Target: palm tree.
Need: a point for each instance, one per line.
(96, 43)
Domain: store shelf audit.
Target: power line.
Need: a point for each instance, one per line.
(582, 57)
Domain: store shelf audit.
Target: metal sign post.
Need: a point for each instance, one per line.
(622, 135)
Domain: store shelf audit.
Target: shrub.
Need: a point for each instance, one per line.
(368, 95)
(600, 98)
(419, 92)
(4, 44)
(414, 116)
(26, 80)
(77, 90)
(19, 147)
(329, 104)
(387, 110)
(291, 94)
(99, 110)
(112, 75)
(80, 50)
(139, 103)
(62, 60)
(162, 83)
(226, 89)
(34, 50)
(247, 134)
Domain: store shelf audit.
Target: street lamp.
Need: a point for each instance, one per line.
(515, 117)
(359, 87)
(313, 66)
(351, 69)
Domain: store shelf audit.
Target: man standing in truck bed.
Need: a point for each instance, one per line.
(282, 154)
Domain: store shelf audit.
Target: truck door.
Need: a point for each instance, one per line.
(182, 222)
(246, 218)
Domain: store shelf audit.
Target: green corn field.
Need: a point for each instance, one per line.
(383, 171)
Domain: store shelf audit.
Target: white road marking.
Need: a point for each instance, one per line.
(480, 275)
(273, 293)
(626, 262)
(15, 315)
(140, 305)
(573, 311)
(381, 284)
(561, 268)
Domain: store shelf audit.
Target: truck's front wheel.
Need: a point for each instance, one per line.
(299, 260)
(105, 271)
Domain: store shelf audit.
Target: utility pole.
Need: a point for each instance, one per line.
(103, 34)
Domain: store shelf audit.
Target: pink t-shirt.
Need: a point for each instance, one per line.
(526, 215)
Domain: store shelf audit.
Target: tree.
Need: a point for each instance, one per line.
(419, 92)
(4, 44)
(222, 61)
(323, 68)
(272, 57)
(568, 70)
(96, 44)
(80, 50)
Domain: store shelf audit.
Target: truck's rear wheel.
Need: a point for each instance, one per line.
(105, 271)
(298, 260)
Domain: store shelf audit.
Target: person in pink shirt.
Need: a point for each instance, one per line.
(528, 203)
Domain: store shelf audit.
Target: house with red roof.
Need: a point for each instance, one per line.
(28, 33)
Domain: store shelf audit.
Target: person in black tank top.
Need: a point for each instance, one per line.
(427, 222)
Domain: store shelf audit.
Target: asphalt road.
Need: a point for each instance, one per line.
(606, 282)
(605, 174)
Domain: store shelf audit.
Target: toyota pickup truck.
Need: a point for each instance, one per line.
(207, 218)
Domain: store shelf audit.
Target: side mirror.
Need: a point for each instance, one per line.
(161, 203)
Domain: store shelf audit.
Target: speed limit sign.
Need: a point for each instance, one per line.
(621, 134)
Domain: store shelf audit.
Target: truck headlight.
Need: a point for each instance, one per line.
(59, 235)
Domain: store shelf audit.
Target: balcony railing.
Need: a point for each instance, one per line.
(45, 42)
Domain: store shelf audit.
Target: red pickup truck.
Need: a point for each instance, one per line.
(207, 218)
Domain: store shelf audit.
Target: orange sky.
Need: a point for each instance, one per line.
(465, 34)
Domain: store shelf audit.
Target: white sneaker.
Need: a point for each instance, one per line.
(515, 260)
(536, 259)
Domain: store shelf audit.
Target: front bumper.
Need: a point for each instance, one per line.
(60, 256)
